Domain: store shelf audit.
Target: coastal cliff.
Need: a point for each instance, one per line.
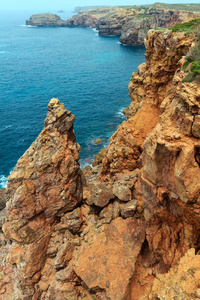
(130, 23)
(125, 228)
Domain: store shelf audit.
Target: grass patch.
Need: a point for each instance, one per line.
(140, 17)
(161, 28)
(187, 26)
(187, 7)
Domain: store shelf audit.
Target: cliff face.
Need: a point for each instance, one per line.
(130, 23)
(147, 89)
(135, 30)
(154, 78)
(88, 18)
(168, 180)
(111, 24)
(82, 21)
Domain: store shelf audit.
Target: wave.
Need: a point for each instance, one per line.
(86, 162)
(120, 113)
(23, 25)
(3, 181)
(122, 44)
(95, 30)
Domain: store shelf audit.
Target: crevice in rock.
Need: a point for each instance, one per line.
(197, 155)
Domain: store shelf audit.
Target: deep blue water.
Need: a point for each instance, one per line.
(89, 73)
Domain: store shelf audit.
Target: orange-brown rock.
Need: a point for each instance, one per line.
(181, 282)
(170, 175)
(126, 144)
(153, 80)
(106, 262)
(45, 184)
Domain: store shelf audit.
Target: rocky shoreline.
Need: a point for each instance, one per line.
(130, 23)
(128, 228)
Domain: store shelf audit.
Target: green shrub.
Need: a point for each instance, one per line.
(196, 67)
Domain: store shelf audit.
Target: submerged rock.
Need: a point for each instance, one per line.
(98, 141)
(99, 157)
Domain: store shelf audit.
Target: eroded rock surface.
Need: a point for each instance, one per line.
(106, 262)
(125, 147)
(45, 184)
(151, 84)
(182, 282)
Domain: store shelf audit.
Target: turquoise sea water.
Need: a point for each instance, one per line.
(89, 73)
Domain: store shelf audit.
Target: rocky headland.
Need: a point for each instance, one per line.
(45, 20)
(130, 23)
(128, 228)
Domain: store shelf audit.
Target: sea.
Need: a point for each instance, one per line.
(87, 72)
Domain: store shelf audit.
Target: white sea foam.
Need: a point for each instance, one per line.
(94, 29)
(120, 112)
(122, 44)
(3, 181)
(86, 162)
(27, 26)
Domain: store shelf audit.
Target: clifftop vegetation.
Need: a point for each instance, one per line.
(192, 64)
